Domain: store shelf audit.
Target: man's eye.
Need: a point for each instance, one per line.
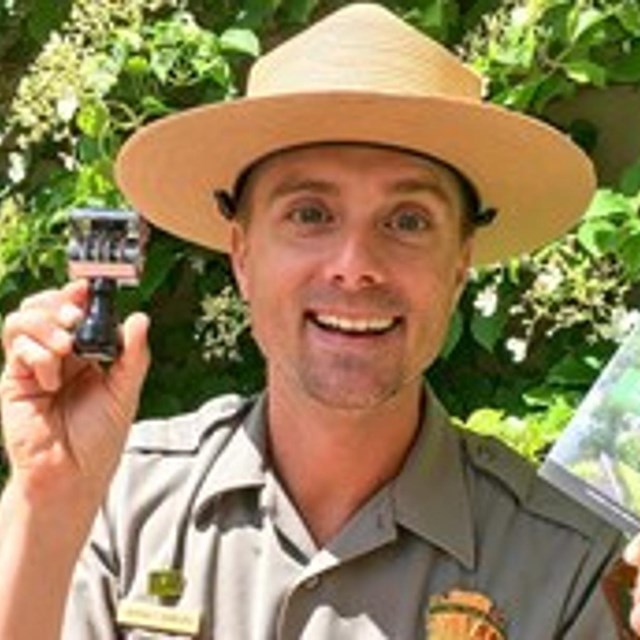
(310, 215)
(408, 221)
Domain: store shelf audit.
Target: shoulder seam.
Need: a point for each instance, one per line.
(490, 456)
(184, 433)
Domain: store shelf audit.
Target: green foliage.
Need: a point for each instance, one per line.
(536, 51)
(531, 436)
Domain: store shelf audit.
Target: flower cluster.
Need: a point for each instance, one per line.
(570, 289)
(63, 74)
(224, 319)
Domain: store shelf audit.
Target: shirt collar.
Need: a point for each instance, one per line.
(242, 462)
(430, 493)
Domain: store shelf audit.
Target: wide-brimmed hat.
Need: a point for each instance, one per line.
(360, 75)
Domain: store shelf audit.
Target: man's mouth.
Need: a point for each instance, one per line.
(370, 326)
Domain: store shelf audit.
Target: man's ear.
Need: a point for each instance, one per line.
(238, 255)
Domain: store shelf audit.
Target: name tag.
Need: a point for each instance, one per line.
(158, 618)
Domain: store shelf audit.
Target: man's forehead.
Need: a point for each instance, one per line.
(315, 165)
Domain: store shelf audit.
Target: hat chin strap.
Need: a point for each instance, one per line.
(226, 204)
(484, 217)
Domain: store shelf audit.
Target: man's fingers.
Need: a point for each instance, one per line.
(74, 293)
(632, 552)
(65, 306)
(129, 370)
(41, 325)
(27, 355)
(38, 336)
(632, 557)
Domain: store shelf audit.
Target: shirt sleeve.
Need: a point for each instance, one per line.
(603, 610)
(91, 603)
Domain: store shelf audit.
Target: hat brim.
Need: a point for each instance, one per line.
(537, 179)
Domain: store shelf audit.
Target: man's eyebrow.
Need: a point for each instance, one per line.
(403, 186)
(293, 185)
(417, 185)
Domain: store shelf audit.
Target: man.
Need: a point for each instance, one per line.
(340, 503)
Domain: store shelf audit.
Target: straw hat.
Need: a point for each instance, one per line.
(360, 75)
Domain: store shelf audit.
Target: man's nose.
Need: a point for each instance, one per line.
(356, 261)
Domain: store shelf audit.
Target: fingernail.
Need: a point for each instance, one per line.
(630, 552)
(61, 340)
(69, 315)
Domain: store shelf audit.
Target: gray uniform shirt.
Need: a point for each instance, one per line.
(196, 499)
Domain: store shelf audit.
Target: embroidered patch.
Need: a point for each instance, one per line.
(464, 615)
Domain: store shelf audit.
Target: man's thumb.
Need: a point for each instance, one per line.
(129, 370)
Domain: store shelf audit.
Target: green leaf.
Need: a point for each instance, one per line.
(154, 106)
(586, 72)
(554, 87)
(240, 41)
(626, 67)
(136, 65)
(629, 252)
(598, 236)
(628, 13)
(255, 13)
(101, 73)
(162, 61)
(485, 421)
(161, 257)
(605, 202)
(520, 96)
(488, 330)
(573, 370)
(519, 54)
(432, 15)
(45, 16)
(298, 11)
(93, 118)
(455, 333)
(587, 20)
(630, 181)
(220, 71)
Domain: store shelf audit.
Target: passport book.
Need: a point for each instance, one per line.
(596, 459)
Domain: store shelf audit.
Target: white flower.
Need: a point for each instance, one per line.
(17, 168)
(68, 161)
(67, 106)
(548, 281)
(520, 16)
(623, 321)
(487, 302)
(518, 348)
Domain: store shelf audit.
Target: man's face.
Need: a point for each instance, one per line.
(352, 261)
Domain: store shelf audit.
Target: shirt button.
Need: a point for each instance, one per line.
(486, 452)
(312, 582)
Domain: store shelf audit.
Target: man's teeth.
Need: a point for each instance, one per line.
(361, 325)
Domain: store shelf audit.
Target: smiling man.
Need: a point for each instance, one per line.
(343, 230)
(355, 185)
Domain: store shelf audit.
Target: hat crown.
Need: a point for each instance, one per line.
(363, 48)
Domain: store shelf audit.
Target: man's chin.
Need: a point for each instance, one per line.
(346, 396)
